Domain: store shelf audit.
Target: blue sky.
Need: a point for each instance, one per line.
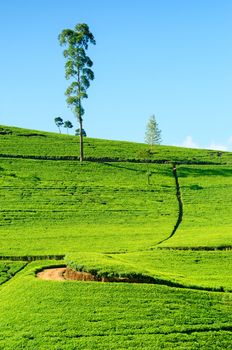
(171, 58)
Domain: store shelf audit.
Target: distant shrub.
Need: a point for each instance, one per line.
(196, 187)
(35, 178)
(31, 135)
(144, 154)
(77, 132)
(5, 131)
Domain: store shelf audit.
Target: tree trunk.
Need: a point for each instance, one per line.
(81, 142)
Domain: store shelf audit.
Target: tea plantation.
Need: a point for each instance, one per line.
(119, 213)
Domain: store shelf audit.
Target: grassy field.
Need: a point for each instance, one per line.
(106, 218)
(54, 207)
(207, 196)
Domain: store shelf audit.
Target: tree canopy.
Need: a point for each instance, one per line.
(77, 132)
(68, 125)
(59, 122)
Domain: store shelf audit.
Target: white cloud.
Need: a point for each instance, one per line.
(218, 147)
(189, 143)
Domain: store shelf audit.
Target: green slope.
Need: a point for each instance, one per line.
(39, 314)
(33, 143)
(54, 207)
(105, 217)
(207, 196)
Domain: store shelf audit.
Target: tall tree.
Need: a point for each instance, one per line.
(78, 68)
(59, 122)
(68, 125)
(153, 133)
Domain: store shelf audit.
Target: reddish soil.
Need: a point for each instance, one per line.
(72, 275)
(63, 273)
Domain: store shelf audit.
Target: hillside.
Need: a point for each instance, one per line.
(124, 213)
(17, 142)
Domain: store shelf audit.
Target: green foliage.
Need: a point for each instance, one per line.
(68, 125)
(9, 269)
(59, 122)
(77, 132)
(102, 265)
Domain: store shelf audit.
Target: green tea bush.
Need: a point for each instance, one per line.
(9, 269)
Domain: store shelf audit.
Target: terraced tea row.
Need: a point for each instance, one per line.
(207, 196)
(58, 207)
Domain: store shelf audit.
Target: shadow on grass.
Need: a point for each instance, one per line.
(114, 165)
(200, 171)
(162, 170)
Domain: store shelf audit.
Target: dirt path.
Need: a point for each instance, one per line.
(55, 274)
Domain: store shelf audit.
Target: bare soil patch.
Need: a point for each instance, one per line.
(55, 274)
(64, 273)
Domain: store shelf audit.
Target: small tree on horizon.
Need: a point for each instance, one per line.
(77, 132)
(153, 133)
(68, 125)
(59, 122)
(78, 68)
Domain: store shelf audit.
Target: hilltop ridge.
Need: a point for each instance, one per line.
(20, 142)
